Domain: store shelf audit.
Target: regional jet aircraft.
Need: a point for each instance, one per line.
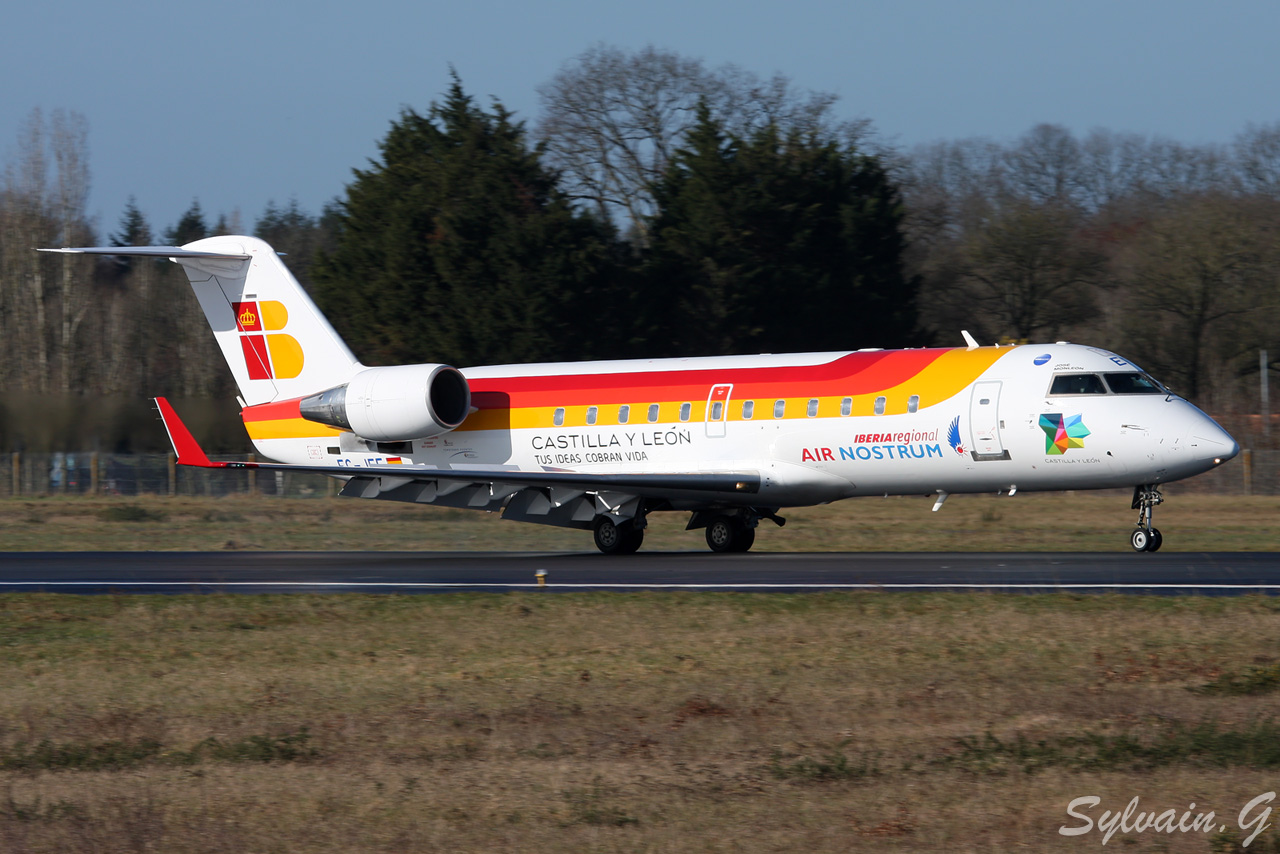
(731, 439)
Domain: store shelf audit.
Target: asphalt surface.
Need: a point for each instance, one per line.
(1214, 573)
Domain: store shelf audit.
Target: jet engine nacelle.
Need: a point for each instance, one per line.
(394, 404)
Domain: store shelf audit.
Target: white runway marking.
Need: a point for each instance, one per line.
(440, 585)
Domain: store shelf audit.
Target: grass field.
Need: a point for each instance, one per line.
(1052, 522)
(629, 723)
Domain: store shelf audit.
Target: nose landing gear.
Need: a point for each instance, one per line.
(1146, 538)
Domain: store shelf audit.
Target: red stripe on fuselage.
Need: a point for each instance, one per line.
(273, 411)
(856, 373)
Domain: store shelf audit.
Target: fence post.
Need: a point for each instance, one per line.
(1246, 461)
(16, 462)
(173, 475)
(330, 487)
(253, 481)
(93, 473)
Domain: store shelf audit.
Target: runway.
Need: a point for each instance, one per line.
(1212, 573)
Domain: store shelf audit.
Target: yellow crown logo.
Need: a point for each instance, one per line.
(248, 318)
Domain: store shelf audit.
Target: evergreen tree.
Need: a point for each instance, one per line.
(190, 227)
(294, 233)
(457, 246)
(774, 244)
(134, 231)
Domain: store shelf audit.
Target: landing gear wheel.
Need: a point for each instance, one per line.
(1140, 540)
(615, 539)
(1157, 540)
(729, 534)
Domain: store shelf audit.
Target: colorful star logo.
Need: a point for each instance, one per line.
(1062, 432)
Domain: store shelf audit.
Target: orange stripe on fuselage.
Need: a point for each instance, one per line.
(933, 374)
(516, 402)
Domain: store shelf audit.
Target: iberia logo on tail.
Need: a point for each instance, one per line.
(273, 355)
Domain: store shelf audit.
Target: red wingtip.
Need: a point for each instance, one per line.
(184, 444)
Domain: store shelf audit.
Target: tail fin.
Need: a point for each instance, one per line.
(276, 342)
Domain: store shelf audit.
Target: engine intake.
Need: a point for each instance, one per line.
(394, 404)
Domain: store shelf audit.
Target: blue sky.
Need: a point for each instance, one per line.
(238, 103)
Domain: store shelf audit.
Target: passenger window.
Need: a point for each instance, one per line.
(717, 410)
(558, 420)
(779, 408)
(624, 413)
(846, 406)
(653, 412)
(591, 414)
(913, 403)
(879, 406)
(813, 407)
(685, 409)
(748, 409)
(1130, 383)
(1077, 384)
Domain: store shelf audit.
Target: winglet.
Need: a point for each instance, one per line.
(184, 444)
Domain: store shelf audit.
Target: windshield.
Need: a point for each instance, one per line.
(1077, 384)
(1132, 383)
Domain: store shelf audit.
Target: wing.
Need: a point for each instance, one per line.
(565, 498)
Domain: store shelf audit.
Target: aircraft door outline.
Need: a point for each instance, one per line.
(984, 422)
(718, 409)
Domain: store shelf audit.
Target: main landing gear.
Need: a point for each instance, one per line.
(727, 531)
(1146, 538)
(732, 531)
(618, 538)
(730, 534)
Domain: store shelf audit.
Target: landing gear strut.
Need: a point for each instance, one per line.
(1146, 538)
(618, 538)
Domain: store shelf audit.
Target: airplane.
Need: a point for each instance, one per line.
(731, 440)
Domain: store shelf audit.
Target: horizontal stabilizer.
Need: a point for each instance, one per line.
(153, 251)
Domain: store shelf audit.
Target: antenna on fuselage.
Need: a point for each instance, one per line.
(968, 339)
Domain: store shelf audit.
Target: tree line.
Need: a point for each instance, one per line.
(658, 207)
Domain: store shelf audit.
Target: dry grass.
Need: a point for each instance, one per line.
(645, 722)
(1055, 522)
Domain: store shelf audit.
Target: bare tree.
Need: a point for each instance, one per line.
(69, 141)
(27, 224)
(612, 120)
(1257, 157)
(1198, 276)
(1045, 166)
(1030, 270)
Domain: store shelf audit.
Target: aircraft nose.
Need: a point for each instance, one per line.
(1216, 445)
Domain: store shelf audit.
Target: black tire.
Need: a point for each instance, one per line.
(632, 538)
(614, 539)
(1140, 540)
(1157, 540)
(746, 538)
(723, 534)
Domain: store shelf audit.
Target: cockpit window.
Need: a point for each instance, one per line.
(1133, 383)
(1077, 384)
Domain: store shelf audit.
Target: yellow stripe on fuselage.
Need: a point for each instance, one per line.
(290, 428)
